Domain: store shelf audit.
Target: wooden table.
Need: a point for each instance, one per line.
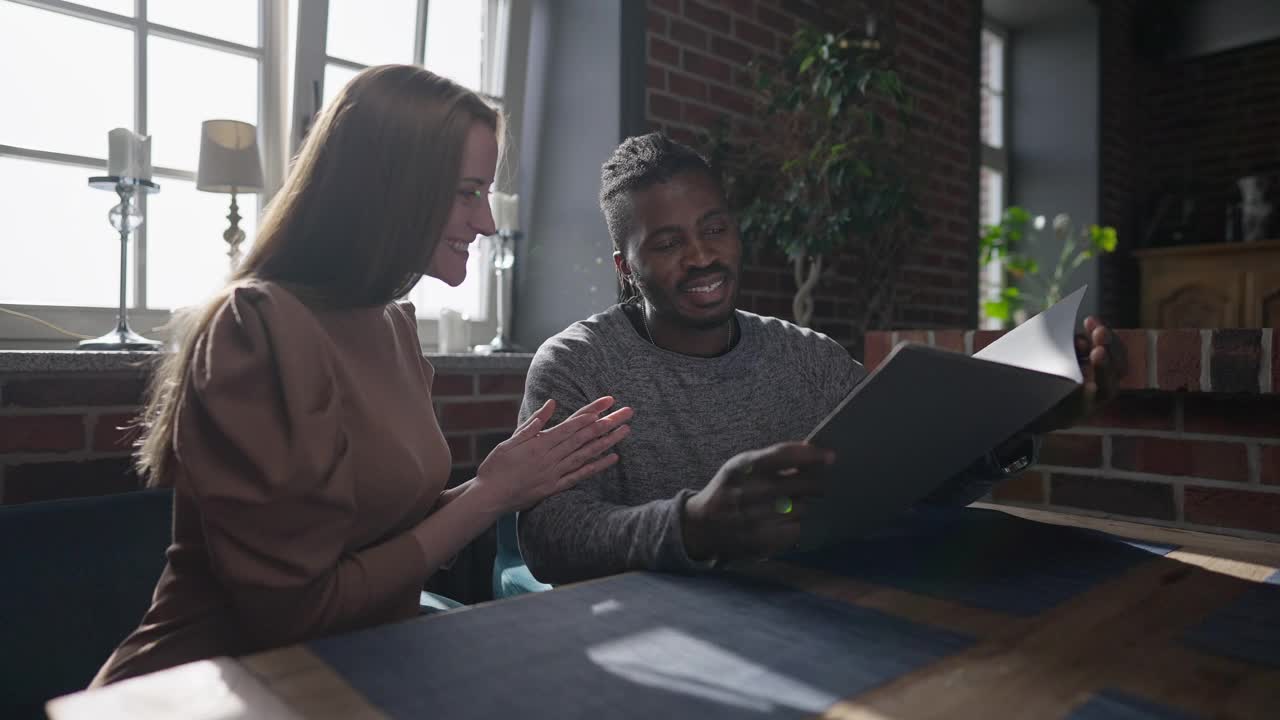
(1151, 636)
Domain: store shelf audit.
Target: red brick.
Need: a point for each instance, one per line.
(1255, 416)
(686, 86)
(732, 51)
(501, 384)
(1240, 509)
(460, 448)
(672, 6)
(1270, 457)
(701, 115)
(952, 340)
(664, 106)
(1178, 360)
(688, 35)
(657, 78)
(769, 17)
(41, 433)
(731, 100)
(1235, 361)
(84, 391)
(760, 279)
(753, 34)
(1072, 450)
(1025, 488)
(1139, 411)
(484, 415)
(920, 337)
(31, 482)
(683, 135)
(707, 66)
(453, 385)
(717, 20)
(1133, 345)
(664, 52)
(983, 338)
(115, 432)
(1122, 497)
(877, 347)
(657, 22)
(1194, 458)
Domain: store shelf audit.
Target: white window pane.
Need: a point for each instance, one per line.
(359, 34)
(991, 196)
(119, 7)
(188, 84)
(992, 61)
(335, 78)
(455, 40)
(430, 294)
(65, 82)
(58, 249)
(186, 255)
(232, 20)
(992, 119)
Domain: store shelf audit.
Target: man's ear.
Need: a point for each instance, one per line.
(620, 264)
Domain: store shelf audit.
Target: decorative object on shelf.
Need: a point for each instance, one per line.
(229, 163)
(1256, 208)
(506, 216)
(128, 175)
(1013, 241)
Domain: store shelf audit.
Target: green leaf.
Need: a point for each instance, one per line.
(998, 310)
(808, 61)
(1011, 293)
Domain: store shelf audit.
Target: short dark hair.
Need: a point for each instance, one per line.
(638, 163)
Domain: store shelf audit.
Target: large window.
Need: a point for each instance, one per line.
(74, 70)
(993, 179)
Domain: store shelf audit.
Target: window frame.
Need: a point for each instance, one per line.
(995, 159)
(281, 120)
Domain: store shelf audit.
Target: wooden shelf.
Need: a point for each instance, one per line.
(1211, 286)
(1235, 248)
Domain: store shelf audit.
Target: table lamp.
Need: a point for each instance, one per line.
(229, 163)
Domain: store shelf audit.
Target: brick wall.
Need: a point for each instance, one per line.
(61, 433)
(697, 56)
(1197, 124)
(1193, 439)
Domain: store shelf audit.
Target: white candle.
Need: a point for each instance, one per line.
(129, 154)
(506, 211)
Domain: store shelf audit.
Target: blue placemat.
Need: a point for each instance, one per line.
(1247, 628)
(1115, 705)
(984, 558)
(637, 645)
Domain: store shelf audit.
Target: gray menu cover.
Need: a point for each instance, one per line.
(925, 414)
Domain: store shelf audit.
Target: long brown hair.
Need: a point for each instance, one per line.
(354, 225)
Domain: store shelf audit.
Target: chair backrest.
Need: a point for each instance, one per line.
(76, 576)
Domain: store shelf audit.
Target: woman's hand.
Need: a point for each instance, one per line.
(535, 463)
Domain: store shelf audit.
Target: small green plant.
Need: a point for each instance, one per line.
(1013, 241)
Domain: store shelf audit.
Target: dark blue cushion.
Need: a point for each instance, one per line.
(76, 576)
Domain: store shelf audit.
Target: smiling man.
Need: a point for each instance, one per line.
(712, 470)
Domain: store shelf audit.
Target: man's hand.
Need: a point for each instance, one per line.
(1104, 364)
(754, 505)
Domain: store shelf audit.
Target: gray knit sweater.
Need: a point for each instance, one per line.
(691, 415)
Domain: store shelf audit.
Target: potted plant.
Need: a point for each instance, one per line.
(827, 168)
(1014, 241)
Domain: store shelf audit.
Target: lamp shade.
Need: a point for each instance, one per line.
(229, 158)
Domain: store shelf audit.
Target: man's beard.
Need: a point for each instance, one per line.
(665, 305)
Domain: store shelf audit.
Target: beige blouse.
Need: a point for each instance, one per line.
(305, 451)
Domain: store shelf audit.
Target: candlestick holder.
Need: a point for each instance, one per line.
(125, 218)
(504, 260)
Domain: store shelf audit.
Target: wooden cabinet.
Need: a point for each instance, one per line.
(1211, 286)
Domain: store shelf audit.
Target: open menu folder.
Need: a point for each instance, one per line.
(925, 414)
